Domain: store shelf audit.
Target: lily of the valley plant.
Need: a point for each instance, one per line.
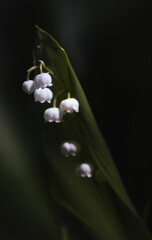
(42, 93)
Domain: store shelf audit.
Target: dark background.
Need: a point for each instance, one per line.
(109, 44)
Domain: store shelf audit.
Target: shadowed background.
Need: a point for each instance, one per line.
(109, 46)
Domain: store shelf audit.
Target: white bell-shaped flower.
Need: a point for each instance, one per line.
(84, 170)
(69, 148)
(53, 115)
(28, 86)
(42, 80)
(43, 94)
(69, 105)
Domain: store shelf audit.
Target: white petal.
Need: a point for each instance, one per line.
(57, 121)
(76, 109)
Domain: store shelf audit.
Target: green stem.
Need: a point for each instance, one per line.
(29, 71)
(68, 95)
(41, 66)
(51, 73)
(54, 103)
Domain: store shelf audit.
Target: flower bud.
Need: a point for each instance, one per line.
(69, 105)
(42, 80)
(28, 86)
(84, 170)
(43, 94)
(70, 148)
(53, 115)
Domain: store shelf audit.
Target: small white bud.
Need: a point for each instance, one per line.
(28, 86)
(53, 115)
(84, 170)
(42, 80)
(70, 148)
(43, 94)
(69, 105)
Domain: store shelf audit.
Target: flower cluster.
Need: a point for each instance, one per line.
(40, 86)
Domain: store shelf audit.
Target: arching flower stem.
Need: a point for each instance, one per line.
(42, 65)
(29, 71)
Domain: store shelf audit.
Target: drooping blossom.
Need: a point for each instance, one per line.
(42, 80)
(42, 95)
(70, 148)
(28, 86)
(53, 115)
(84, 170)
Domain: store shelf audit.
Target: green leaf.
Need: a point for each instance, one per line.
(101, 202)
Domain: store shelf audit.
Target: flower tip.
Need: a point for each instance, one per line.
(76, 109)
(57, 121)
